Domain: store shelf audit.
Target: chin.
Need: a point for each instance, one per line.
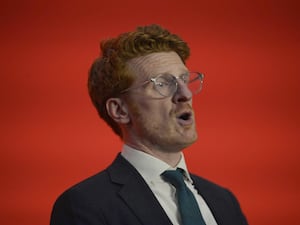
(190, 136)
(189, 141)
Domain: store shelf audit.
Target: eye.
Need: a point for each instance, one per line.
(161, 83)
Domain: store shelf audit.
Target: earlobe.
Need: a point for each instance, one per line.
(117, 110)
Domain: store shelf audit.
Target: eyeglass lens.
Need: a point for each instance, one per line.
(195, 82)
(166, 84)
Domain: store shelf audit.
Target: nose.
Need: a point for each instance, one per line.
(183, 93)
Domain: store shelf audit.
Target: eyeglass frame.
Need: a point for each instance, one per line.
(200, 76)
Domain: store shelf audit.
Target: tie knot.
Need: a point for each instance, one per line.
(175, 177)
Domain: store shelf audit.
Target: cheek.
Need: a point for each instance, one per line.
(153, 109)
(161, 109)
(164, 114)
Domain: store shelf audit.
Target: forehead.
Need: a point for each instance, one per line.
(156, 63)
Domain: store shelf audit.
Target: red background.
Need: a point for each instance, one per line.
(247, 114)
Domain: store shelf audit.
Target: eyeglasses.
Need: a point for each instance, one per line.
(167, 84)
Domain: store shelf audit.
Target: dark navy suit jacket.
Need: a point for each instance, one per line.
(120, 196)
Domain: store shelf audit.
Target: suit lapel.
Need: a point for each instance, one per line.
(136, 193)
(215, 202)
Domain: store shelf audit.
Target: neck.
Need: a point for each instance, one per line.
(172, 158)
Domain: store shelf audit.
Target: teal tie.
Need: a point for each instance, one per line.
(187, 204)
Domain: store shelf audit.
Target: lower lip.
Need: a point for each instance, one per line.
(185, 123)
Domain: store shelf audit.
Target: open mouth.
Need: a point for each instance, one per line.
(185, 118)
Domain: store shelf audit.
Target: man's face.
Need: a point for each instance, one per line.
(163, 123)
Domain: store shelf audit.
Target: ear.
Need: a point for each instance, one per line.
(117, 110)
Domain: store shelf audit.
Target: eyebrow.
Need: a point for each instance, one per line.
(168, 73)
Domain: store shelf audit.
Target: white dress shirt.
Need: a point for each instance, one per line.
(151, 169)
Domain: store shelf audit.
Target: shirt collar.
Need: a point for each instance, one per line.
(149, 166)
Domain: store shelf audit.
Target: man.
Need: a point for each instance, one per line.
(141, 87)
